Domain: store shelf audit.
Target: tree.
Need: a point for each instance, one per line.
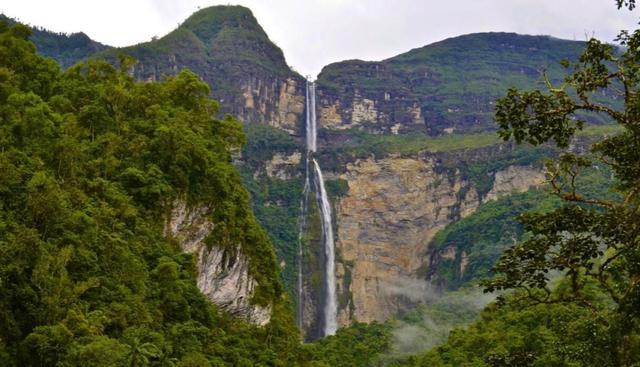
(630, 4)
(593, 242)
(91, 162)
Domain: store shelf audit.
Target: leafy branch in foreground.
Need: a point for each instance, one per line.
(592, 242)
(630, 4)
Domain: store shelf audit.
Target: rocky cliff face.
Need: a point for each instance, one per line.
(440, 88)
(385, 110)
(385, 223)
(223, 274)
(514, 179)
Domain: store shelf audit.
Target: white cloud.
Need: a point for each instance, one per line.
(314, 33)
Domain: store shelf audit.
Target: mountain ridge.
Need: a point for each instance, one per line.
(439, 88)
(66, 48)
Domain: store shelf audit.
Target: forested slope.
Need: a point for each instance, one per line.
(90, 160)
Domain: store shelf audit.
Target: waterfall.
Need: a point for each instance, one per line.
(330, 303)
(330, 300)
(311, 117)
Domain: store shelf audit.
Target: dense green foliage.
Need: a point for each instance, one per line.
(359, 345)
(276, 202)
(494, 227)
(346, 146)
(591, 239)
(90, 162)
(573, 289)
(482, 237)
(542, 335)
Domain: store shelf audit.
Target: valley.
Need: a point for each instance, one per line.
(377, 193)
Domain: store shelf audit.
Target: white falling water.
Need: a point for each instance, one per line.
(310, 133)
(330, 306)
(311, 117)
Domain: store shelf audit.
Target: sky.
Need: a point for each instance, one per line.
(314, 33)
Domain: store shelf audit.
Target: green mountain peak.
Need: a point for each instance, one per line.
(207, 23)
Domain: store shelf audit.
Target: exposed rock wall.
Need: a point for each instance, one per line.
(385, 223)
(223, 275)
(443, 87)
(277, 102)
(227, 48)
(380, 112)
(281, 165)
(268, 99)
(515, 179)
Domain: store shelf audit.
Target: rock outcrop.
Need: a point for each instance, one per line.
(223, 275)
(514, 179)
(385, 223)
(282, 166)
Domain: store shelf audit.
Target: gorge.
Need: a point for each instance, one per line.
(407, 148)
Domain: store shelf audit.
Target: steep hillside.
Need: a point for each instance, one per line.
(121, 218)
(230, 51)
(66, 49)
(443, 87)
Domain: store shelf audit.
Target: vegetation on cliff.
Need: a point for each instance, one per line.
(275, 201)
(227, 48)
(90, 161)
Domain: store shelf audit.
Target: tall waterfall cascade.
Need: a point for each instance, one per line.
(330, 309)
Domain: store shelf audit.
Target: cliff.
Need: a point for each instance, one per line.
(440, 88)
(388, 218)
(411, 161)
(222, 274)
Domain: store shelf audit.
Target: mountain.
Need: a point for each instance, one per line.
(67, 49)
(443, 87)
(411, 162)
(126, 233)
(229, 50)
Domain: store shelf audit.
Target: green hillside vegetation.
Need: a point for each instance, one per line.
(542, 335)
(348, 145)
(225, 38)
(275, 202)
(89, 162)
(224, 45)
(569, 290)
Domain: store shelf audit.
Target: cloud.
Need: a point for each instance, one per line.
(416, 290)
(429, 325)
